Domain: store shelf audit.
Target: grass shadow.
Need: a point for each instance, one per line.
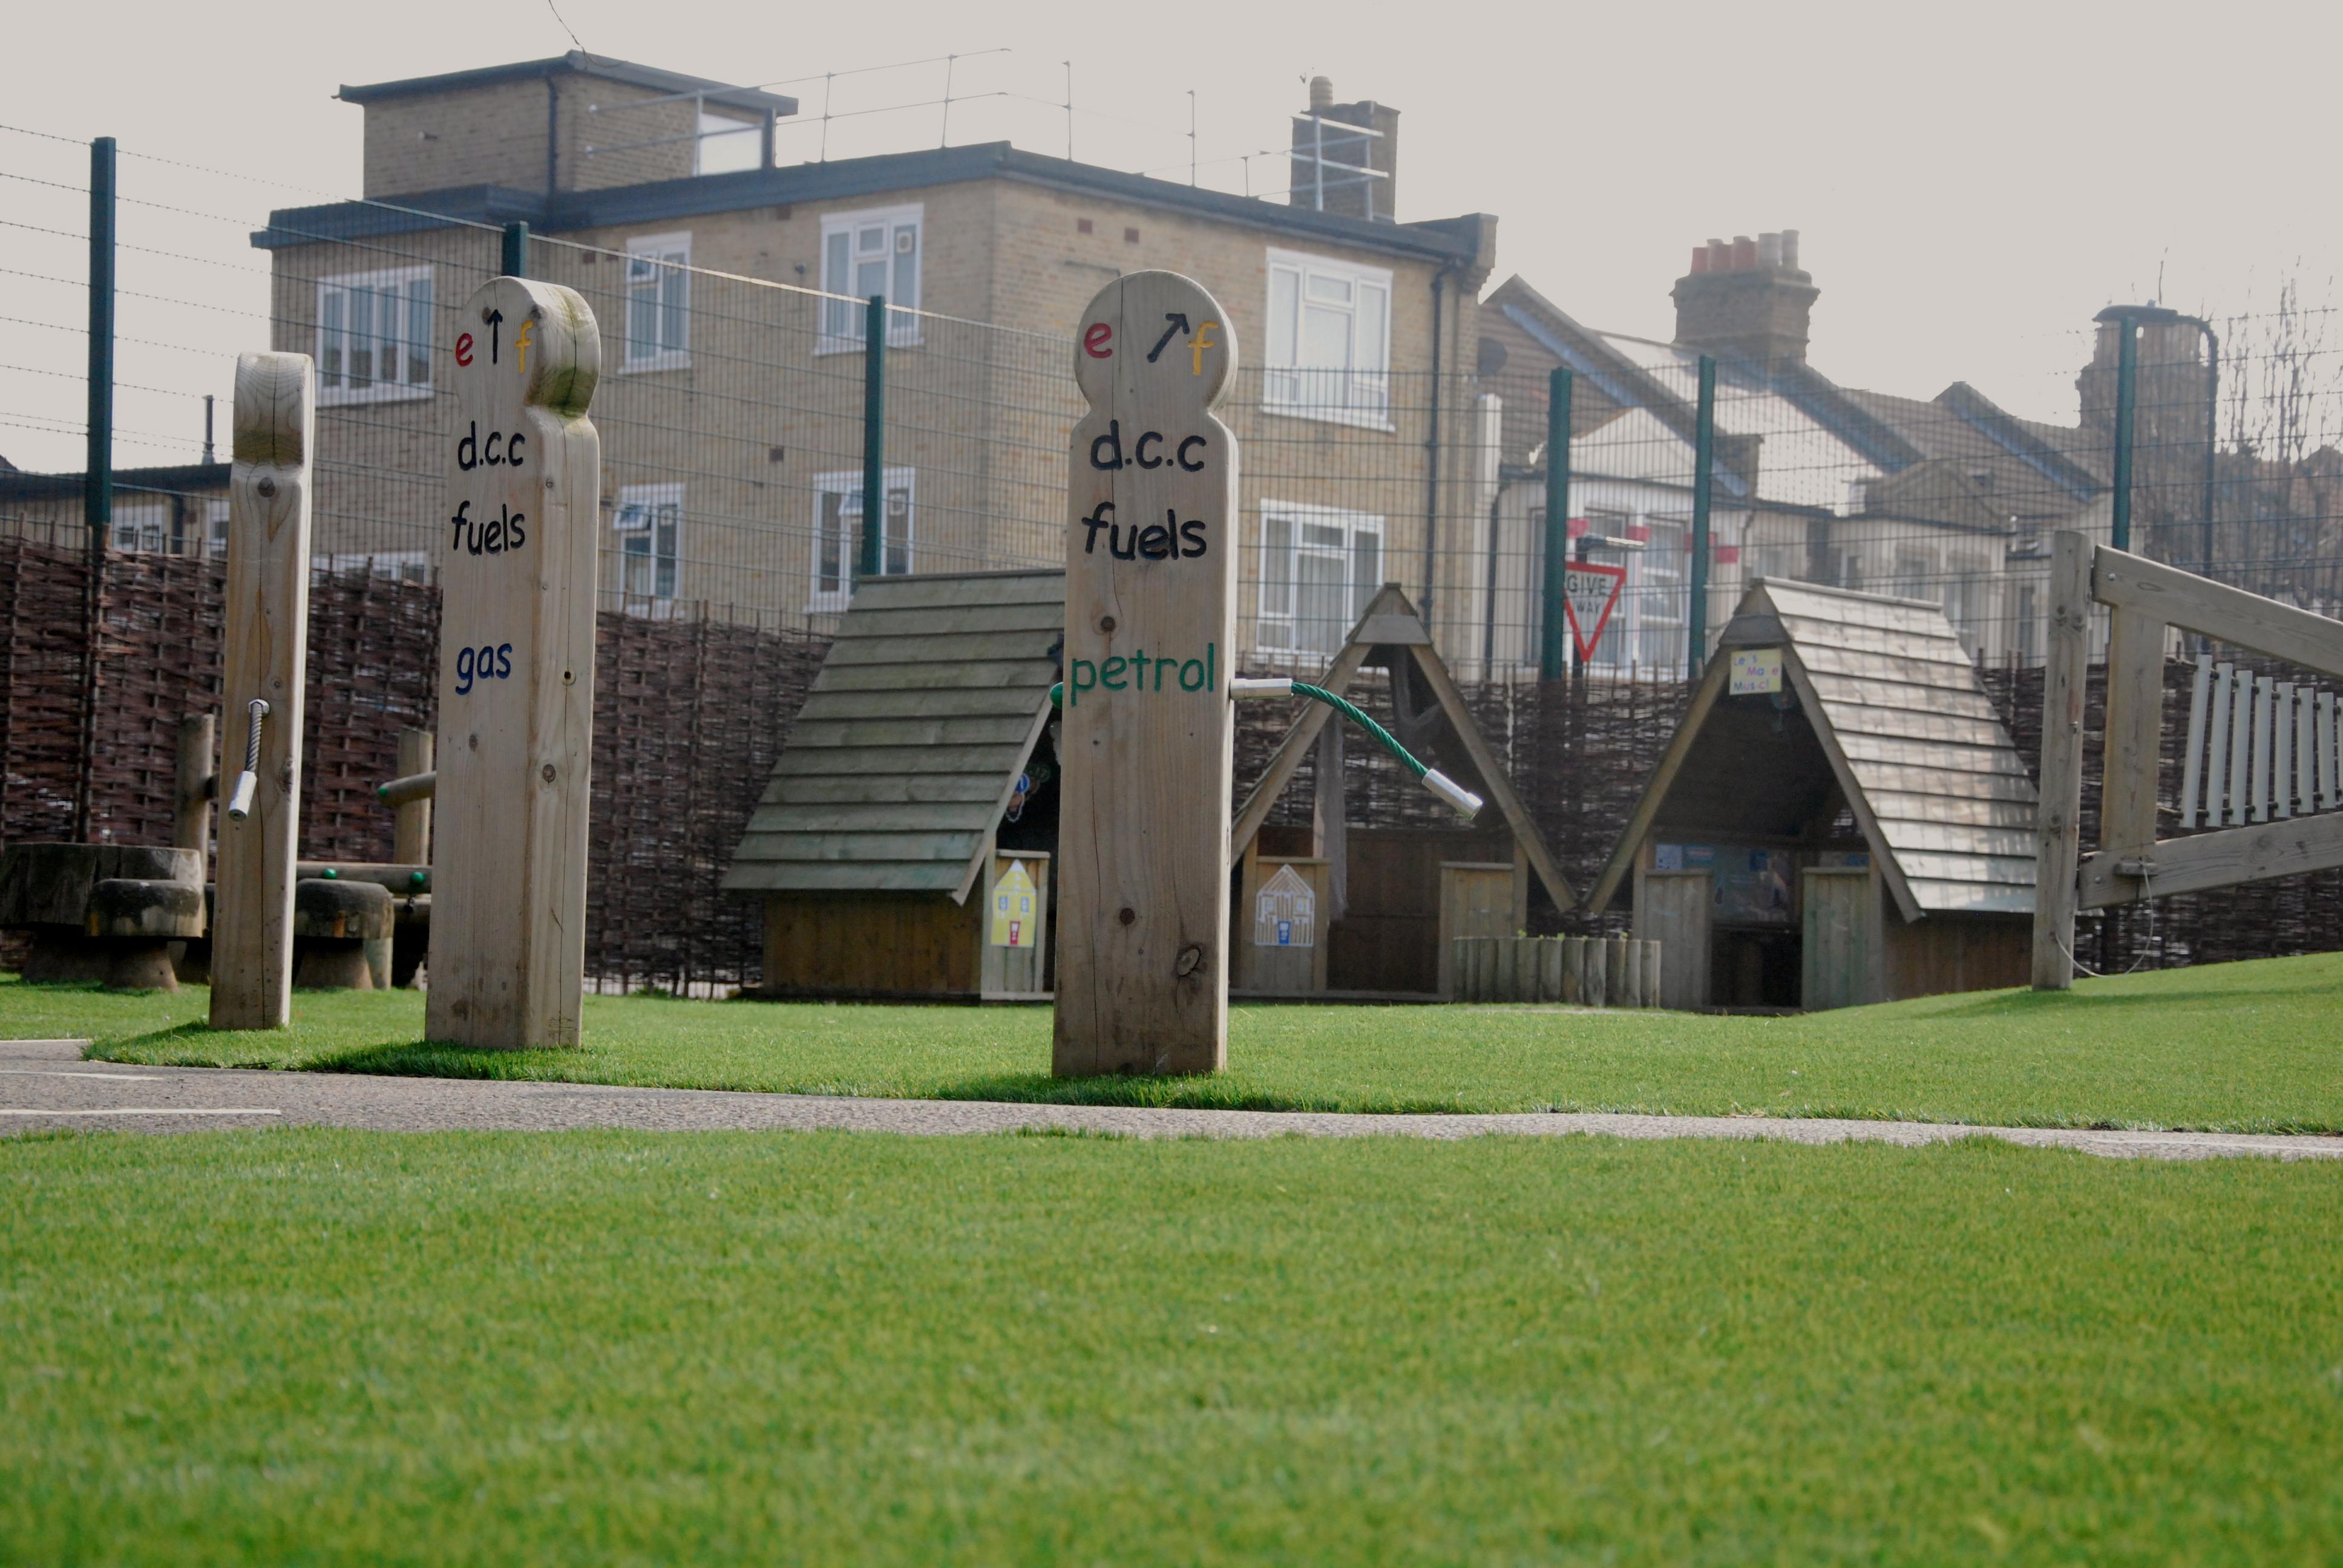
(1191, 1092)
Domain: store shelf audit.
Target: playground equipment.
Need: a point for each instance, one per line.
(507, 950)
(104, 913)
(2262, 765)
(1841, 817)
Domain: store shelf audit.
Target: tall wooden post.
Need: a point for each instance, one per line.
(410, 831)
(267, 656)
(1150, 619)
(516, 671)
(2059, 839)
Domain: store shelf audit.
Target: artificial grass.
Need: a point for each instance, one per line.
(311, 1346)
(2247, 1046)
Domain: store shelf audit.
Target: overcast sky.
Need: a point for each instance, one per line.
(1971, 183)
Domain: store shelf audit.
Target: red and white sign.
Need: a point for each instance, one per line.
(1590, 593)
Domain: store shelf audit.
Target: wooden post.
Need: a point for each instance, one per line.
(2058, 838)
(516, 671)
(191, 815)
(411, 820)
(1151, 620)
(266, 657)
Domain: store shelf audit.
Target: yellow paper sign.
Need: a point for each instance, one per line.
(1012, 909)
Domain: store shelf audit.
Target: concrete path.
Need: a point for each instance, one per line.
(44, 1083)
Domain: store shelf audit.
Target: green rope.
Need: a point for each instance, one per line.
(1350, 711)
(1319, 694)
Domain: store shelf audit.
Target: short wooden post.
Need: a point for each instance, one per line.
(2059, 835)
(410, 833)
(1505, 986)
(516, 671)
(1551, 953)
(1594, 986)
(1150, 626)
(191, 815)
(1652, 958)
(265, 658)
(1573, 970)
(2134, 732)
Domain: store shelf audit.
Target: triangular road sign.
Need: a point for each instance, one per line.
(1591, 591)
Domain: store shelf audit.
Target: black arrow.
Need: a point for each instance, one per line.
(1179, 324)
(495, 321)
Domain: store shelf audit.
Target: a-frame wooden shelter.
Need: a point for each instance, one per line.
(1397, 896)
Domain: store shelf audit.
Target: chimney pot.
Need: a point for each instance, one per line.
(1700, 258)
(1769, 250)
(1321, 93)
(1790, 249)
(1746, 299)
(1745, 252)
(1720, 256)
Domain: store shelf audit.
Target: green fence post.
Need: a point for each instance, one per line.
(1553, 629)
(2126, 405)
(872, 562)
(98, 464)
(1704, 472)
(516, 257)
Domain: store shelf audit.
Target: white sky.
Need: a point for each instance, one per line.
(1971, 184)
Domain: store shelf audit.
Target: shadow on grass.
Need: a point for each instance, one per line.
(445, 1059)
(1197, 1091)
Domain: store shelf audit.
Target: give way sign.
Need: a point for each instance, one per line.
(1590, 592)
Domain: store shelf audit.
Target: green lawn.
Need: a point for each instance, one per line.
(2248, 1047)
(318, 1347)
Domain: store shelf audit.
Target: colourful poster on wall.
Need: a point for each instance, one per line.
(1012, 908)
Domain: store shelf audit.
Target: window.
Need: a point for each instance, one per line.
(216, 515)
(1915, 576)
(727, 146)
(142, 525)
(838, 532)
(1319, 567)
(2030, 628)
(867, 252)
(659, 302)
(1329, 354)
(649, 524)
(1658, 577)
(396, 565)
(374, 337)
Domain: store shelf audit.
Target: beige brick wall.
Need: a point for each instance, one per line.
(475, 135)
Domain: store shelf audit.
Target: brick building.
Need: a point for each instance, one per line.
(730, 289)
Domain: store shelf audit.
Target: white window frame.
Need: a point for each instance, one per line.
(140, 526)
(1277, 584)
(216, 519)
(846, 485)
(396, 566)
(336, 354)
(841, 314)
(646, 502)
(665, 258)
(1358, 395)
(729, 133)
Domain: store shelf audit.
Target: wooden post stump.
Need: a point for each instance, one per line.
(334, 923)
(135, 920)
(1152, 547)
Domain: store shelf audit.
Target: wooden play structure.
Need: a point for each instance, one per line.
(1384, 907)
(876, 850)
(1841, 817)
(2262, 768)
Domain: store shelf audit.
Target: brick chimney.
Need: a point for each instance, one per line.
(1320, 134)
(1748, 297)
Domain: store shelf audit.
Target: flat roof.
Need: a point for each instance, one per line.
(575, 63)
(1438, 240)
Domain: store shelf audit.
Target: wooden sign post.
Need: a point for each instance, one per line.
(1151, 619)
(267, 657)
(516, 671)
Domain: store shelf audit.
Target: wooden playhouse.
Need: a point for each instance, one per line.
(901, 847)
(1841, 818)
(1328, 907)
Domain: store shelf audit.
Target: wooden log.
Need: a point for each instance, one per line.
(191, 813)
(1654, 989)
(2218, 860)
(1595, 981)
(516, 671)
(2222, 613)
(411, 819)
(1551, 953)
(401, 880)
(2058, 833)
(1152, 547)
(1504, 985)
(135, 920)
(1573, 970)
(267, 658)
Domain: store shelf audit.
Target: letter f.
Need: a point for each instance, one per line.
(1203, 340)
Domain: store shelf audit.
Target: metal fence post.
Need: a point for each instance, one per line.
(2127, 406)
(1552, 633)
(97, 470)
(516, 256)
(1703, 471)
(870, 562)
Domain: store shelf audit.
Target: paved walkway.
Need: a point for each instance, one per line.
(44, 1083)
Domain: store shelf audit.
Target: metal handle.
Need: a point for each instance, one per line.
(239, 804)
